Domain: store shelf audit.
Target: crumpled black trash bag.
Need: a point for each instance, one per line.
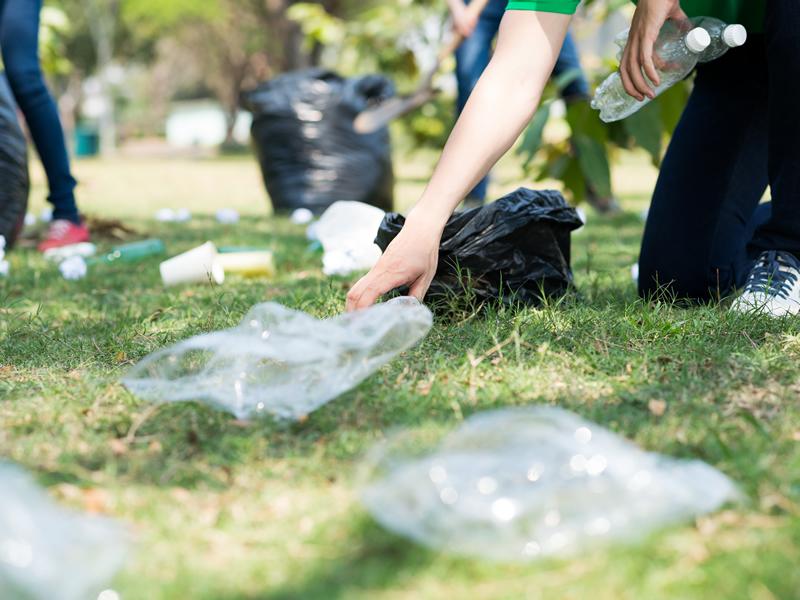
(517, 248)
(309, 153)
(14, 182)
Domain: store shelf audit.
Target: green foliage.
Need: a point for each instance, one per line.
(584, 157)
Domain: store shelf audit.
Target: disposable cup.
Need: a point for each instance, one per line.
(247, 264)
(195, 266)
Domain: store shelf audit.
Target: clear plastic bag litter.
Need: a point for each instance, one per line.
(48, 552)
(279, 361)
(519, 484)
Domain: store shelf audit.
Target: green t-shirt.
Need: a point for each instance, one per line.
(749, 13)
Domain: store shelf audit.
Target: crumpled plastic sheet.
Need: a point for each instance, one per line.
(279, 361)
(520, 484)
(51, 553)
(346, 231)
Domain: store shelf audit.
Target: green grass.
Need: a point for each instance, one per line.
(230, 512)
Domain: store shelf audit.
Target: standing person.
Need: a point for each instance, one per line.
(730, 147)
(472, 58)
(19, 43)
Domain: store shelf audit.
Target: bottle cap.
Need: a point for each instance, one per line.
(698, 40)
(734, 36)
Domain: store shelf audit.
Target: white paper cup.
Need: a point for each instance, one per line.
(195, 266)
(248, 264)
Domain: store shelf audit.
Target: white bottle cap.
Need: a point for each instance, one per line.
(734, 36)
(698, 40)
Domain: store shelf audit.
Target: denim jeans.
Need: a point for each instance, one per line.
(19, 42)
(738, 133)
(473, 56)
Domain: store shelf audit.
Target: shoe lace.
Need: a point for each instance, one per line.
(775, 274)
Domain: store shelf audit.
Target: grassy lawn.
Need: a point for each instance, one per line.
(224, 511)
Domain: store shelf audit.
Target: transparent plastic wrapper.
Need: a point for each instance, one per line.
(517, 248)
(310, 154)
(346, 231)
(519, 484)
(51, 553)
(14, 182)
(279, 361)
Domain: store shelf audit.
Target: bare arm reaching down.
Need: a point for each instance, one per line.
(503, 102)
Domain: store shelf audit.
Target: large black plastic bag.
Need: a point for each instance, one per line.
(517, 248)
(14, 183)
(310, 155)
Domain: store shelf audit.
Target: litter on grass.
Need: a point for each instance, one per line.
(347, 231)
(73, 268)
(198, 265)
(519, 484)
(47, 552)
(227, 216)
(62, 253)
(301, 216)
(279, 361)
(4, 266)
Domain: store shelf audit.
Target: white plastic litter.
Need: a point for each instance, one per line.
(227, 216)
(50, 553)
(347, 232)
(280, 361)
(73, 268)
(58, 255)
(170, 215)
(165, 215)
(518, 484)
(4, 266)
(301, 216)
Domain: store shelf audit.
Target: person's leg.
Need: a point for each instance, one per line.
(569, 60)
(19, 40)
(712, 178)
(782, 25)
(472, 58)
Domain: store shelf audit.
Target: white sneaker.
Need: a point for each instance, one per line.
(773, 286)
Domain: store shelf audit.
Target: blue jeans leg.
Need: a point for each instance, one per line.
(19, 40)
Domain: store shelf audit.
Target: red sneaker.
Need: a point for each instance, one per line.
(64, 233)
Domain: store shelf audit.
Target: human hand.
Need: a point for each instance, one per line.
(411, 259)
(648, 19)
(464, 20)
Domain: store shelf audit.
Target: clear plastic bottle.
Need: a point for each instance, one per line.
(723, 37)
(678, 52)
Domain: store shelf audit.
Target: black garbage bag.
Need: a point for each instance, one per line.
(309, 153)
(517, 248)
(14, 183)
